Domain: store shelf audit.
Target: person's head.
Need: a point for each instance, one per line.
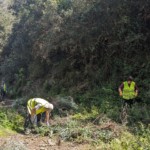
(130, 79)
(49, 107)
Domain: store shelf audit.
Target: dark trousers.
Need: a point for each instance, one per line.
(3, 93)
(28, 122)
(129, 102)
(38, 118)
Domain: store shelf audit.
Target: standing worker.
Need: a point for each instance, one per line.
(128, 90)
(35, 107)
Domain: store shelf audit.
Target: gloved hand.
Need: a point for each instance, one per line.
(136, 94)
(33, 119)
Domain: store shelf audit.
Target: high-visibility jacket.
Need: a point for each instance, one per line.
(129, 90)
(35, 101)
(4, 87)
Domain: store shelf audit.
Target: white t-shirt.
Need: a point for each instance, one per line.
(42, 102)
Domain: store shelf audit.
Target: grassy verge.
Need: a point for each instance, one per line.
(5, 131)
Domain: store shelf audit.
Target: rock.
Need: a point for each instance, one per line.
(51, 143)
(42, 148)
(43, 145)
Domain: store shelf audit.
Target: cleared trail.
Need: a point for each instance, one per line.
(7, 103)
(36, 142)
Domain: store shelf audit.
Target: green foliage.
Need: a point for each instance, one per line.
(5, 132)
(43, 131)
(6, 22)
(107, 135)
(80, 45)
(139, 113)
(87, 116)
(74, 130)
(82, 48)
(102, 136)
(20, 104)
(129, 141)
(10, 119)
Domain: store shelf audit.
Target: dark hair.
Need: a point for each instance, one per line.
(130, 78)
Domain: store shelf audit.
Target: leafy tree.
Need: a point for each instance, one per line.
(80, 44)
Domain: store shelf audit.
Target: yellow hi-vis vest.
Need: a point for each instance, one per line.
(129, 91)
(4, 87)
(31, 104)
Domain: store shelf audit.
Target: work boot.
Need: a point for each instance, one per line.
(27, 131)
(39, 124)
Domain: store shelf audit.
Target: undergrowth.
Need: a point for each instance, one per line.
(10, 119)
(96, 129)
(92, 127)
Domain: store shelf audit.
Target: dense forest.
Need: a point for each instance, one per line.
(81, 48)
(72, 46)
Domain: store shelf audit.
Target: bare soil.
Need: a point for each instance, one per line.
(36, 142)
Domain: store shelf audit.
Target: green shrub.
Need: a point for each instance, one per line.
(11, 119)
(87, 116)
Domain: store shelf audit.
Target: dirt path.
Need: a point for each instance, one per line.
(7, 103)
(36, 142)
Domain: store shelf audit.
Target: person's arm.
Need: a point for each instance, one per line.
(47, 117)
(120, 89)
(33, 112)
(136, 90)
(33, 115)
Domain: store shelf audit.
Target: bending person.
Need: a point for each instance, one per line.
(35, 107)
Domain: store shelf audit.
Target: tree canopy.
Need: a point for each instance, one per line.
(74, 45)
